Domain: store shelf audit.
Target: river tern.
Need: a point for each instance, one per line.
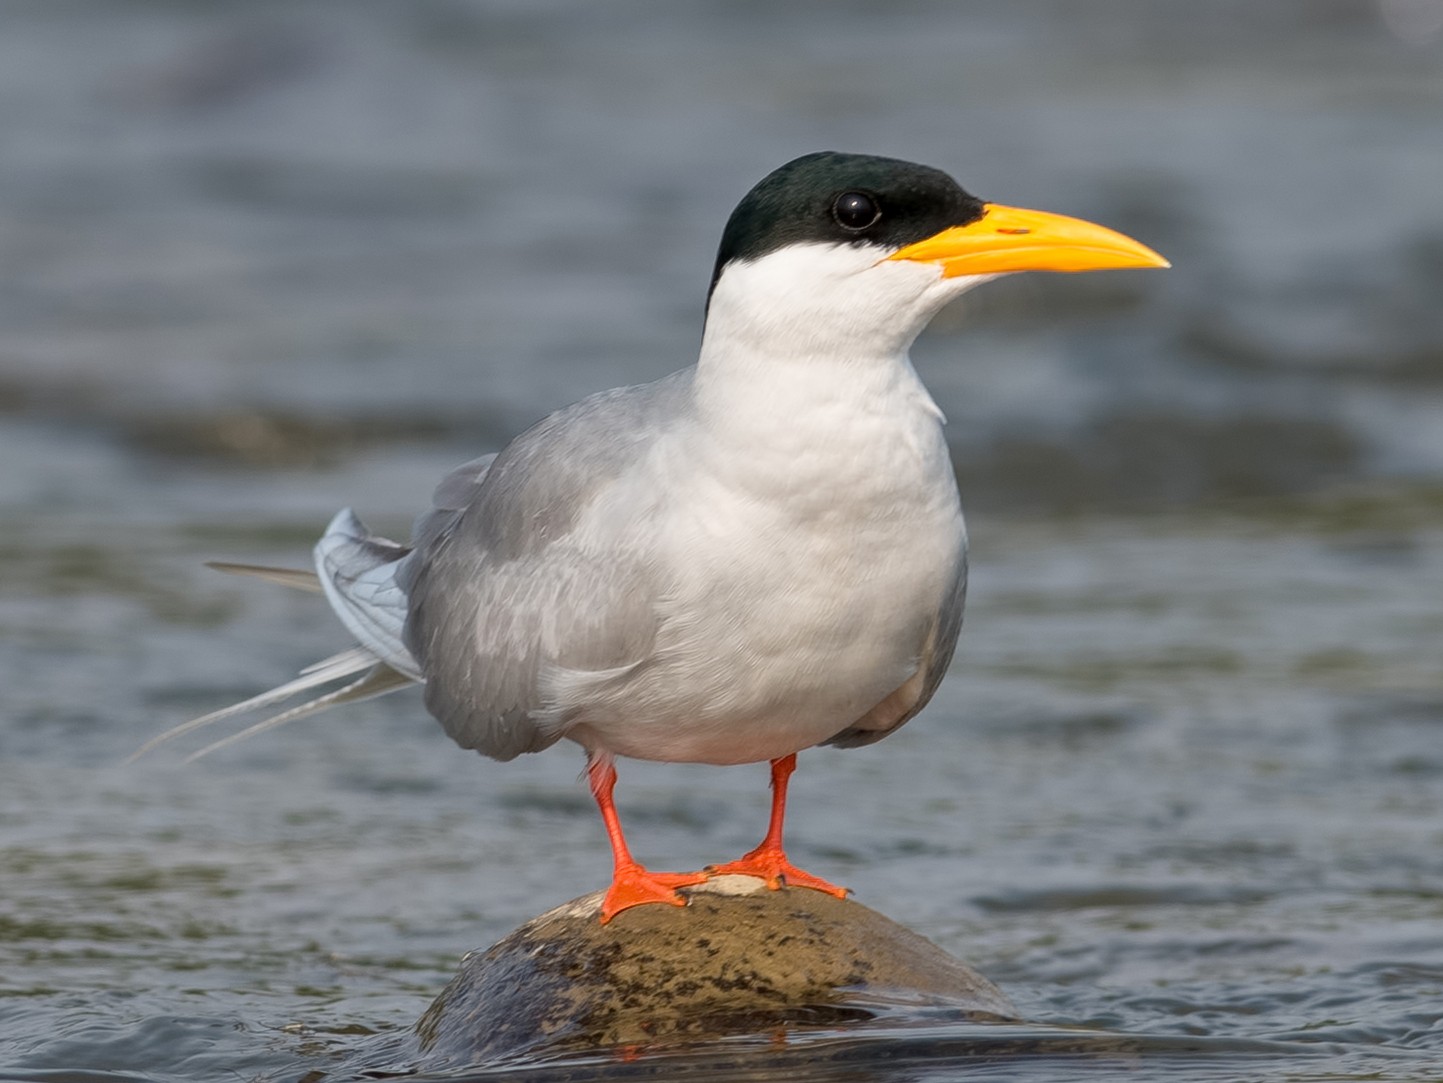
(760, 553)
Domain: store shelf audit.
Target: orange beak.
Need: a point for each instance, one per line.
(1007, 239)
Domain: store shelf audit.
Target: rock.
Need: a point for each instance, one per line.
(739, 959)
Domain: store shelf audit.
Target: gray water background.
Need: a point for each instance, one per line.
(261, 261)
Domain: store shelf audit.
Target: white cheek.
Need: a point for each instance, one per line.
(827, 298)
(834, 298)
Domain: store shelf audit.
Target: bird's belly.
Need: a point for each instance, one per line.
(780, 636)
(746, 705)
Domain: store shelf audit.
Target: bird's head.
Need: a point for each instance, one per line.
(855, 253)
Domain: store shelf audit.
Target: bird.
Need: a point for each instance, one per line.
(760, 553)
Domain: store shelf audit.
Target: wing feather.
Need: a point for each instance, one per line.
(510, 593)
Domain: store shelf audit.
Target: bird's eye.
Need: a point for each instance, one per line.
(855, 210)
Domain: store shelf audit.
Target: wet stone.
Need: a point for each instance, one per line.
(738, 959)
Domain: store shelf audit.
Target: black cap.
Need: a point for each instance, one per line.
(844, 199)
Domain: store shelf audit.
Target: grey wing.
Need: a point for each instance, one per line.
(454, 494)
(899, 708)
(513, 616)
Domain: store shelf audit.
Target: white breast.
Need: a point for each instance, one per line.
(809, 543)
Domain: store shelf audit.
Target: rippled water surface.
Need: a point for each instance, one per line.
(1182, 796)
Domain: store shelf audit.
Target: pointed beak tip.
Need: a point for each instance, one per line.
(1151, 259)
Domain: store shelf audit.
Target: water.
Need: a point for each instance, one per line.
(1185, 782)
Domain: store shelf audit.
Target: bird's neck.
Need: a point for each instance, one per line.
(818, 302)
(798, 341)
(804, 383)
(814, 427)
(753, 386)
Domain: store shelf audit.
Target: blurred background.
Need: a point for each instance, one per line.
(260, 261)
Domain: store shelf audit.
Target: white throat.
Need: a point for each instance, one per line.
(818, 327)
(804, 374)
(832, 301)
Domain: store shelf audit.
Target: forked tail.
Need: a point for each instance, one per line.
(355, 570)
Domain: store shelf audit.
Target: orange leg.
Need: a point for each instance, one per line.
(768, 860)
(631, 885)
